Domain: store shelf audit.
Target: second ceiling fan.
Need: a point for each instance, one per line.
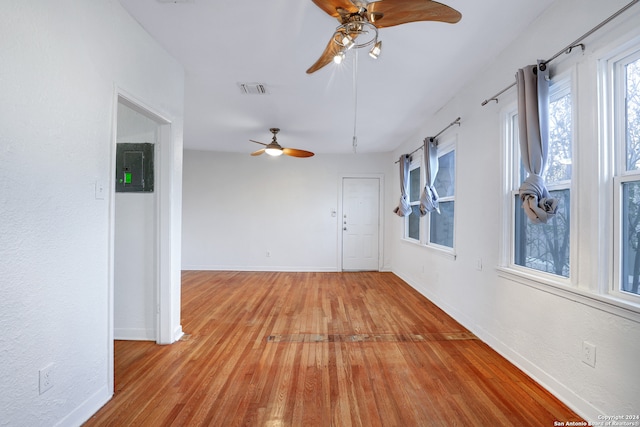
(361, 19)
(275, 149)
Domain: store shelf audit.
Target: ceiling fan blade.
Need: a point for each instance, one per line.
(258, 142)
(396, 12)
(296, 153)
(327, 56)
(332, 6)
(257, 153)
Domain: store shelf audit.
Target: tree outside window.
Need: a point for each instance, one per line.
(546, 247)
(413, 220)
(629, 71)
(441, 224)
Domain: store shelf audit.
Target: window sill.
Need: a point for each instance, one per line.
(607, 303)
(446, 253)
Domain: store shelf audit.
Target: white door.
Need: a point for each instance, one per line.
(360, 223)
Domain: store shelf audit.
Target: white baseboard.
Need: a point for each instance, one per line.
(134, 334)
(177, 333)
(288, 269)
(82, 413)
(577, 404)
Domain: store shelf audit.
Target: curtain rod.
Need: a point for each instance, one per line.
(455, 122)
(568, 49)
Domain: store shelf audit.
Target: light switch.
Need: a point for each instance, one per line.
(100, 190)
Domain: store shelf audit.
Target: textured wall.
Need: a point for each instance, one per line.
(61, 62)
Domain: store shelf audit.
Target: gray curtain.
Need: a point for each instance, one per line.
(404, 208)
(533, 122)
(429, 197)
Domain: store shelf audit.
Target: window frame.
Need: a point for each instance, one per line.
(415, 163)
(562, 84)
(615, 142)
(445, 146)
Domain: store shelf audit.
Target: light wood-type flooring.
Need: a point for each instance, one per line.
(319, 349)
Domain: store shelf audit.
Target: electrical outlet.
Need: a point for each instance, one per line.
(46, 378)
(589, 354)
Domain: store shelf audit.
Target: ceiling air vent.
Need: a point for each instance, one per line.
(253, 88)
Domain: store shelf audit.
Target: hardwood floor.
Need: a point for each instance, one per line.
(319, 349)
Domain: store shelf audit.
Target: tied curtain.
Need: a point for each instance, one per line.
(429, 197)
(404, 208)
(533, 123)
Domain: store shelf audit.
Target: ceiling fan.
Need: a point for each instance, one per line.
(275, 149)
(360, 19)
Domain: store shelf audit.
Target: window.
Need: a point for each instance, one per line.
(436, 230)
(441, 225)
(412, 224)
(545, 247)
(589, 251)
(625, 75)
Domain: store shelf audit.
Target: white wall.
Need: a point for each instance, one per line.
(135, 230)
(237, 207)
(540, 331)
(61, 64)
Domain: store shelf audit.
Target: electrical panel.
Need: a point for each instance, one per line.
(134, 167)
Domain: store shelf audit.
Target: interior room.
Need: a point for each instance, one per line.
(428, 137)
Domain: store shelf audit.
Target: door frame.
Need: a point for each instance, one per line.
(380, 178)
(167, 298)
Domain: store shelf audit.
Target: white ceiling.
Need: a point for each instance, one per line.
(222, 43)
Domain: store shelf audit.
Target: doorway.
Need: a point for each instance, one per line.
(360, 224)
(158, 312)
(135, 238)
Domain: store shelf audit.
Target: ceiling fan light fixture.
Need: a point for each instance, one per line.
(347, 41)
(273, 151)
(360, 20)
(339, 57)
(375, 50)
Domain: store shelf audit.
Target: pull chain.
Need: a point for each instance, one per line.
(354, 141)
